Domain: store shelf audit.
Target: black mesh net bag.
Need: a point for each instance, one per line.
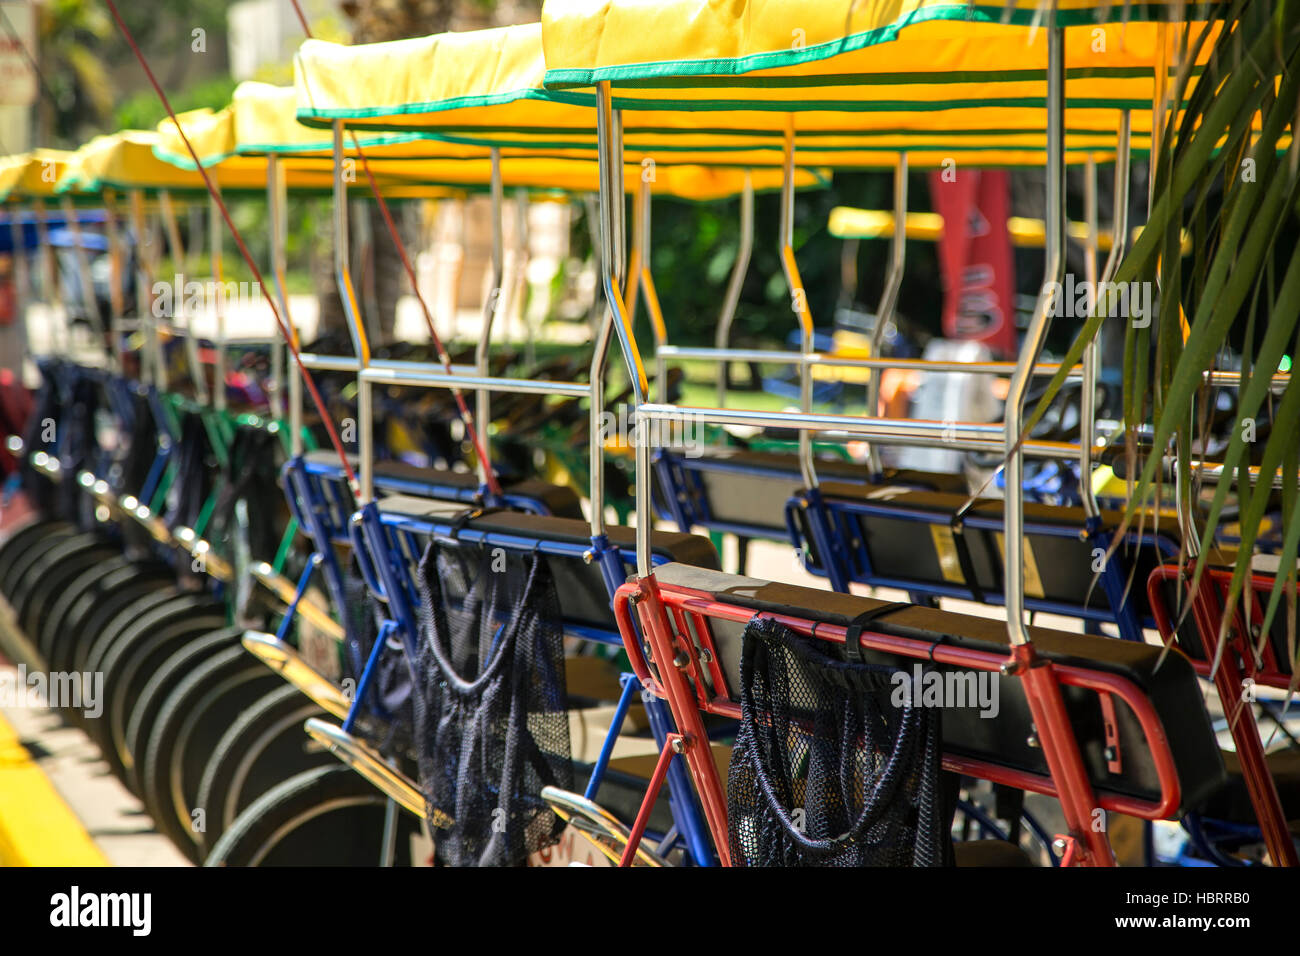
(250, 476)
(46, 411)
(195, 467)
(826, 770)
(491, 719)
(385, 718)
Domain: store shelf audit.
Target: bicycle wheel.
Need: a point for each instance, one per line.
(264, 746)
(328, 816)
(144, 713)
(127, 668)
(189, 724)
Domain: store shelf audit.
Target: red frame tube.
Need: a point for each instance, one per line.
(1067, 779)
(1237, 663)
(651, 795)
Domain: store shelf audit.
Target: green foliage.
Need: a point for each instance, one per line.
(143, 110)
(80, 50)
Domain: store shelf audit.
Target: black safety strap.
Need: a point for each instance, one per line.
(958, 526)
(465, 517)
(853, 633)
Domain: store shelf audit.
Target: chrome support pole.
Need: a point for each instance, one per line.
(737, 281)
(889, 295)
(181, 319)
(113, 234)
(143, 293)
(1091, 355)
(1088, 395)
(652, 307)
(798, 302)
(218, 303)
(22, 290)
(1053, 272)
(640, 281)
(610, 158)
(632, 277)
(775, 356)
(360, 341)
(50, 279)
(83, 265)
(277, 225)
(596, 432)
(910, 432)
(483, 403)
(458, 273)
(425, 374)
(519, 289)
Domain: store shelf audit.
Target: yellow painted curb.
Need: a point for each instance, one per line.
(36, 826)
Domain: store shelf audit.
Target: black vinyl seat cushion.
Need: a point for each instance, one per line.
(752, 487)
(584, 597)
(1233, 802)
(1062, 571)
(403, 478)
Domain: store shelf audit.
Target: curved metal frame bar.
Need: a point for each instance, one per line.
(798, 302)
(737, 281)
(215, 231)
(889, 295)
(276, 203)
(144, 285)
(1031, 348)
(482, 408)
(1118, 246)
(181, 320)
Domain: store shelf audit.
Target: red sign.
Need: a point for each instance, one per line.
(17, 49)
(975, 258)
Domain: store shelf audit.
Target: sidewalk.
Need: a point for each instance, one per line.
(60, 805)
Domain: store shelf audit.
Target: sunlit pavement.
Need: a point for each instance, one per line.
(112, 818)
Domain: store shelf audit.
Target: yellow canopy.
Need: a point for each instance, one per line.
(260, 122)
(828, 58)
(215, 138)
(31, 175)
(487, 87)
(126, 160)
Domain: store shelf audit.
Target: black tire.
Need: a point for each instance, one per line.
(147, 615)
(144, 713)
(88, 656)
(91, 578)
(94, 608)
(263, 747)
(22, 563)
(186, 732)
(126, 617)
(329, 816)
(51, 575)
(17, 543)
(127, 667)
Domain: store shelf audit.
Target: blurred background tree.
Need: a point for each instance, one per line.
(92, 84)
